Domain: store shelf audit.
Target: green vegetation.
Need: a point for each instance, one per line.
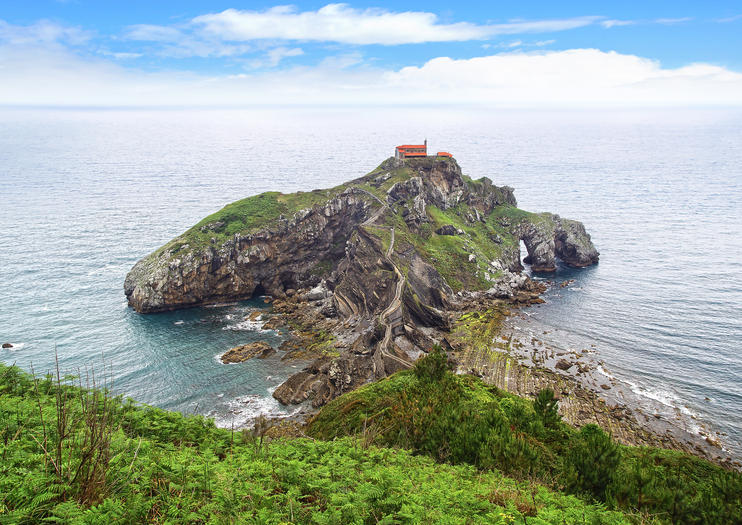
(459, 419)
(515, 215)
(73, 455)
(248, 216)
(450, 254)
(322, 268)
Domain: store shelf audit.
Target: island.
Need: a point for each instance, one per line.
(372, 272)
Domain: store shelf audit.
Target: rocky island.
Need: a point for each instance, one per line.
(374, 269)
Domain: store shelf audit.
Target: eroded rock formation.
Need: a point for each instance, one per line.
(379, 262)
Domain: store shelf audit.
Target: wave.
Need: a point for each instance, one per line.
(242, 411)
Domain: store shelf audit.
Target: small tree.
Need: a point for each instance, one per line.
(547, 408)
(592, 461)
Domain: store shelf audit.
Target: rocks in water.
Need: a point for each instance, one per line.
(7, 345)
(241, 353)
(563, 364)
(253, 316)
(553, 237)
(274, 323)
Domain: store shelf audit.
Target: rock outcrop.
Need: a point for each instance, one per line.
(282, 256)
(241, 353)
(379, 262)
(550, 237)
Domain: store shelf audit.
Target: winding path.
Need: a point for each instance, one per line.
(396, 302)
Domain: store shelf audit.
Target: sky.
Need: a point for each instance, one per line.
(501, 54)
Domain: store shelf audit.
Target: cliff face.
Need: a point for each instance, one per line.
(385, 256)
(287, 254)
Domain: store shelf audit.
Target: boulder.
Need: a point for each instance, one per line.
(563, 364)
(242, 353)
(253, 316)
(7, 345)
(274, 323)
(449, 229)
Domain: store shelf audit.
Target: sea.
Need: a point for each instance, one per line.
(85, 193)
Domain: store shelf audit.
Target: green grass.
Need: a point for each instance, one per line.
(449, 254)
(70, 455)
(248, 216)
(461, 420)
(516, 215)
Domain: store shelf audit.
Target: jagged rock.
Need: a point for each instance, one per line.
(242, 353)
(449, 229)
(317, 293)
(563, 364)
(274, 323)
(253, 316)
(297, 388)
(279, 258)
(213, 226)
(552, 237)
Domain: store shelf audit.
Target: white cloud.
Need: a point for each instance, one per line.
(342, 23)
(617, 23)
(274, 56)
(179, 43)
(119, 55)
(519, 43)
(672, 21)
(43, 32)
(574, 77)
(153, 33)
(609, 23)
(728, 19)
(577, 77)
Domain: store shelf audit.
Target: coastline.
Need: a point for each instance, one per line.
(522, 362)
(514, 357)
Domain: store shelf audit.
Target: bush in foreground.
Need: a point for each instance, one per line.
(73, 455)
(459, 419)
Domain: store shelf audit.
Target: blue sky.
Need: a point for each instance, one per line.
(502, 53)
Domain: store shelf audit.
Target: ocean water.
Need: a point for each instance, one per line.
(85, 194)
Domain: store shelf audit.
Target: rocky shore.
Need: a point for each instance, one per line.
(499, 344)
(487, 339)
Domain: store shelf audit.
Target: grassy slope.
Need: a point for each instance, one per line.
(122, 463)
(460, 420)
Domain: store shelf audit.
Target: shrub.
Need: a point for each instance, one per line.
(433, 366)
(591, 461)
(546, 407)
